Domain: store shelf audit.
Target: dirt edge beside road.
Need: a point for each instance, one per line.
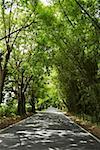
(92, 128)
(7, 121)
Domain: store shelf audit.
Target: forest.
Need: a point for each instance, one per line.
(50, 56)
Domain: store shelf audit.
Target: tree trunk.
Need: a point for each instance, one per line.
(33, 107)
(1, 85)
(33, 102)
(21, 104)
(1, 94)
(3, 71)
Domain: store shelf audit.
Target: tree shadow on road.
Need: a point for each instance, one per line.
(41, 132)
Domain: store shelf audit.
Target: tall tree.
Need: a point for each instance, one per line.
(12, 23)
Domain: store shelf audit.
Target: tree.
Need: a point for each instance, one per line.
(10, 29)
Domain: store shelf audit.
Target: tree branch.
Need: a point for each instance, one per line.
(27, 83)
(64, 12)
(18, 30)
(93, 20)
(3, 17)
(10, 20)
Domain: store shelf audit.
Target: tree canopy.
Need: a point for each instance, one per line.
(50, 54)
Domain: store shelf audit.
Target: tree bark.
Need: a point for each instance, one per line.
(33, 108)
(3, 71)
(33, 102)
(0, 84)
(21, 103)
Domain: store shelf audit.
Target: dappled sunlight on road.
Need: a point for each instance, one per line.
(47, 131)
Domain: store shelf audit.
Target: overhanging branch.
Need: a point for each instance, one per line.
(65, 13)
(85, 11)
(18, 30)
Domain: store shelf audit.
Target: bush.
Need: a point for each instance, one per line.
(8, 109)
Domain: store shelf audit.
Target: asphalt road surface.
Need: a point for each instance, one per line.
(50, 130)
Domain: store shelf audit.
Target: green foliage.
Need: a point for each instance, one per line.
(77, 62)
(9, 109)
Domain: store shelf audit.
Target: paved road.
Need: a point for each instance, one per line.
(47, 131)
